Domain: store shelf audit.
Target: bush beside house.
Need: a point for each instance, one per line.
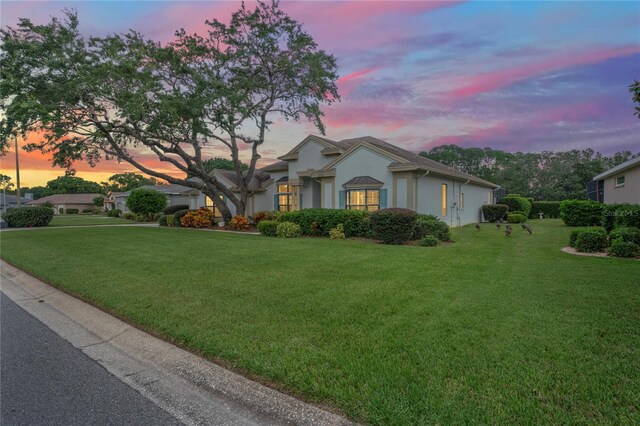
(394, 225)
(146, 201)
(581, 212)
(494, 212)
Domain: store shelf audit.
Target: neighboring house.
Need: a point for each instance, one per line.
(68, 201)
(620, 184)
(8, 201)
(110, 200)
(365, 174)
(176, 195)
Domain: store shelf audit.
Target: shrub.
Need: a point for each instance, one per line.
(337, 233)
(429, 241)
(201, 218)
(550, 209)
(129, 215)
(394, 225)
(172, 209)
(628, 215)
(431, 225)
(355, 222)
(60, 210)
(239, 222)
(114, 213)
(162, 221)
(581, 212)
(626, 233)
(494, 212)
(517, 204)
(27, 217)
(171, 219)
(87, 211)
(577, 231)
(268, 227)
(260, 216)
(72, 211)
(516, 217)
(591, 240)
(608, 219)
(144, 201)
(177, 217)
(620, 248)
(288, 230)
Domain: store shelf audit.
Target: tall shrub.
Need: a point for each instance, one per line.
(581, 212)
(517, 203)
(393, 226)
(494, 212)
(550, 209)
(146, 201)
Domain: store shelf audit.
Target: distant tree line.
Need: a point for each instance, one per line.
(546, 175)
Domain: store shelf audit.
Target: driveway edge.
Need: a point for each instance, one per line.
(192, 389)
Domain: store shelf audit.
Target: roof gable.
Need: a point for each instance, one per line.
(292, 155)
(363, 144)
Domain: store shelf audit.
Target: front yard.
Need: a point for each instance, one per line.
(487, 330)
(86, 219)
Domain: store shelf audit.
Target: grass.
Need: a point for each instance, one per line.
(86, 219)
(487, 330)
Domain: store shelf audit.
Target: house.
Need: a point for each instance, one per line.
(363, 173)
(176, 195)
(67, 201)
(8, 201)
(620, 184)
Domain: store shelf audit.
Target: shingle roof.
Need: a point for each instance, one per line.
(172, 189)
(363, 180)
(66, 199)
(12, 199)
(276, 167)
(283, 179)
(619, 168)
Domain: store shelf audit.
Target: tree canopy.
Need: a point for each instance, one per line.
(101, 98)
(70, 184)
(634, 88)
(221, 164)
(546, 175)
(121, 182)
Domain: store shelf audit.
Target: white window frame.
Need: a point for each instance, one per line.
(616, 183)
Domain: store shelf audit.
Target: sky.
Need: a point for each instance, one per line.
(516, 76)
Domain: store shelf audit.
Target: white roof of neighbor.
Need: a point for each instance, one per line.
(619, 168)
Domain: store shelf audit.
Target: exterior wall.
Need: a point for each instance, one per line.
(309, 157)
(80, 207)
(364, 162)
(264, 200)
(628, 193)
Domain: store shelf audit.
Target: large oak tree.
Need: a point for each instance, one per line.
(103, 98)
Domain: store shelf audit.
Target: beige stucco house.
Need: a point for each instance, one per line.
(620, 184)
(176, 195)
(363, 173)
(67, 201)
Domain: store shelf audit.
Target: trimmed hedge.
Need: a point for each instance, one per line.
(28, 217)
(72, 211)
(431, 225)
(591, 240)
(114, 213)
(162, 221)
(516, 217)
(177, 217)
(172, 209)
(429, 241)
(87, 211)
(628, 215)
(577, 231)
(394, 225)
(288, 230)
(621, 248)
(494, 212)
(318, 222)
(268, 227)
(626, 233)
(145, 201)
(550, 209)
(517, 204)
(581, 212)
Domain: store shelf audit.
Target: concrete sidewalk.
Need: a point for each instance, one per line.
(193, 390)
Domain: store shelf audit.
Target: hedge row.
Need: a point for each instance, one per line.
(593, 213)
(517, 204)
(28, 217)
(495, 212)
(318, 222)
(550, 209)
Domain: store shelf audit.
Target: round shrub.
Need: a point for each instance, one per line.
(239, 222)
(72, 211)
(626, 233)
(573, 236)
(114, 213)
(171, 220)
(145, 201)
(337, 233)
(592, 240)
(260, 216)
(268, 227)
(620, 248)
(60, 210)
(581, 212)
(177, 217)
(176, 208)
(517, 204)
(429, 241)
(431, 225)
(394, 225)
(162, 221)
(129, 215)
(494, 212)
(28, 217)
(516, 217)
(201, 218)
(288, 230)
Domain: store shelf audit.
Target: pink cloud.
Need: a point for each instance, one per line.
(499, 79)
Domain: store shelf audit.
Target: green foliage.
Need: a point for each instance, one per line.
(516, 217)
(318, 222)
(27, 217)
(87, 211)
(634, 88)
(337, 233)
(70, 184)
(60, 210)
(162, 221)
(288, 230)
(628, 215)
(72, 211)
(430, 225)
(114, 213)
(98, 201)
(591, 240)
(517, 204)
(494, 212)
(176, 208)
(171, 220)
(573, 235)
(393, 225)
(608, 220)
(550, 209)
(218, 163)
(581, 212)
(5, 182)
(122, 182)
(429, 241)
(146, 201)
(626, 233)
(177, 217)
(620, 248)
(268, 227)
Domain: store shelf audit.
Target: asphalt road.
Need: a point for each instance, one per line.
(44, 380)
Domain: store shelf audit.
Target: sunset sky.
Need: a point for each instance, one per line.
(517, 76)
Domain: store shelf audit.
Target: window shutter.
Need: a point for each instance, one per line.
(275, 202)
(342, 199)
(383, 199)
(301, 201)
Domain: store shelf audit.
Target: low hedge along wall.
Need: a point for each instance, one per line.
(495, 212)
(318, 222)
(27, 217)
(393, 226)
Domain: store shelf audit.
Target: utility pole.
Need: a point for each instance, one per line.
(17, 173)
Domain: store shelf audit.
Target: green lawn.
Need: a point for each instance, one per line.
(487, 330)
(86, 219)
